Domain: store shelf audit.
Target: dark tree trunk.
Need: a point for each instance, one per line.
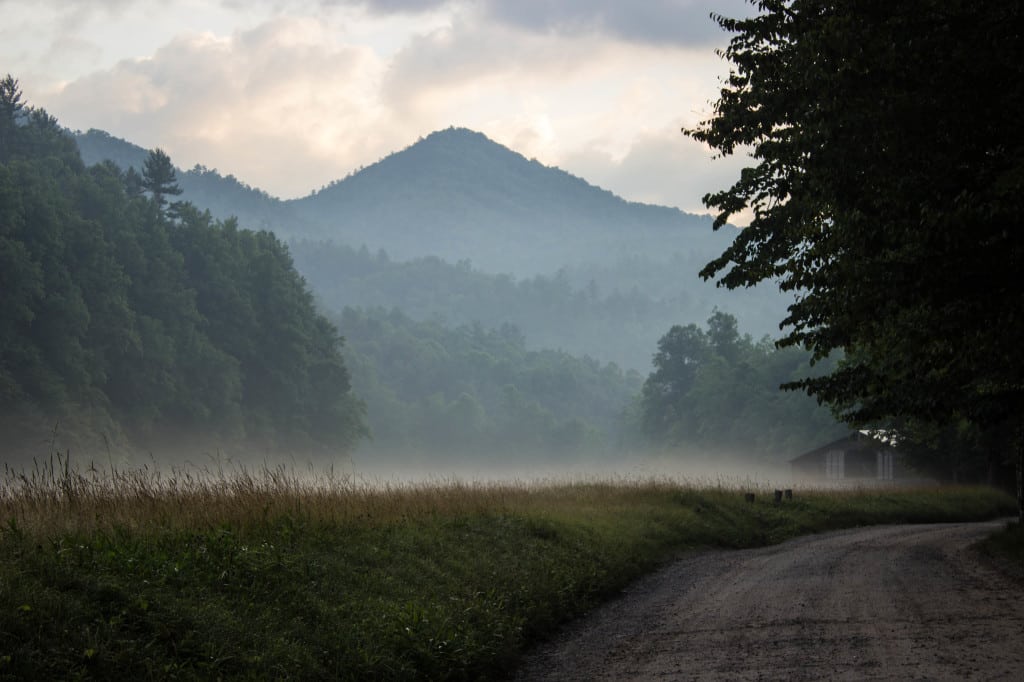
(1016, 438)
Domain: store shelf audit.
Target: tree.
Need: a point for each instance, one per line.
(10, 97)
(724, 335)
(717, 391)
(115, 322)
(133, 183)
(886, 192)
(681, 352)
(11, 107)
(158, 177)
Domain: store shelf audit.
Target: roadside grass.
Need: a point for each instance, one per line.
(278, 574)
(1005, 550)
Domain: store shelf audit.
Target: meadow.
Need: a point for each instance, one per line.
(277, 573)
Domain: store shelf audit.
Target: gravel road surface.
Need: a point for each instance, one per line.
(886, 602)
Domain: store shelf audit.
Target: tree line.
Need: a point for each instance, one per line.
(432, 389)
(614, 313)
(437, 390)
(715, 390)
(131, 317)
(127, 317)
(886, 193)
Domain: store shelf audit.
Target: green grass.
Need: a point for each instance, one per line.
(134, 575)
(1005, 550)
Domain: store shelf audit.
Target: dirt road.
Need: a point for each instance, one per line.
(890, 602)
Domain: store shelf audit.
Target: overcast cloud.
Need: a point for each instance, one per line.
(290, 94)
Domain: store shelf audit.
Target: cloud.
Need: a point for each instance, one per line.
(678, 22)
(68, 14)
(303, 94)
(558, 98)
(276, 105)
(73, 5)
(661, 167)
(475, 62)
(391, 6)
(36, 37)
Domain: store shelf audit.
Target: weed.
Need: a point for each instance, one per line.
(277, 573)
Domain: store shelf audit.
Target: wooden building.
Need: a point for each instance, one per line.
(861, 458)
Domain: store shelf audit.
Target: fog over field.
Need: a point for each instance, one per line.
(529, 321)
(442, 288)
(384, 339)
(730, 472)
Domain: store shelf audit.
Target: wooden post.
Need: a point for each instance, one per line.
(778, 497)
(1020, 480)
(788, 492)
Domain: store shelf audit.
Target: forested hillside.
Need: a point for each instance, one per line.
(450, 356)
(568, 309)
(223, 196)
(456, 197)
(714, 389)
(439, 391)
(440, 196)
(128, 320)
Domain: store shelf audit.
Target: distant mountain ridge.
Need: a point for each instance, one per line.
(482, 172)
(223, 196)
(473, 231)
(454, 194)
(459, 195)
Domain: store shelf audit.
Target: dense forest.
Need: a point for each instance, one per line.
(567, 309)
(128, 319)
(456, 195)
(475, 232)
(436, 390)
(714, 389)
(137, 318)
(885, 194)
(224, 196)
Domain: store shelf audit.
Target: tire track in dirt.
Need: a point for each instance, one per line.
(886, 602)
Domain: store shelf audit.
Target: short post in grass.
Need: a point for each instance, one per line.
(749, 497)
(778, 497)
(788, 493)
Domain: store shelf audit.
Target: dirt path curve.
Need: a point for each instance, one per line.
(888, 602)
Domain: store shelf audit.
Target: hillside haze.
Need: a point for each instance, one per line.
(223, 196)
(170, 325)
(456, 195)
(459, 227)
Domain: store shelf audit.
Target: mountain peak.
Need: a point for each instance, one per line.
(460, 153)
(455, 194)
(458, 133)
(458, 194)
(468, 163)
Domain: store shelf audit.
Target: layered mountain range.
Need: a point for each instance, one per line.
(461, 227)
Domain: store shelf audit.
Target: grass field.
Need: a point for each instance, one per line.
(277, 575)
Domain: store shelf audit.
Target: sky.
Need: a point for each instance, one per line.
(288, 95)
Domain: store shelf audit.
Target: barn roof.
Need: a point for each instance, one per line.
(858, 440)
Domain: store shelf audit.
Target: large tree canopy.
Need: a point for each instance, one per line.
(716, 391)
(886, 191)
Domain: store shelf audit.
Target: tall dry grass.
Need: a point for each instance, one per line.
(268, 572)
(55, 497)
